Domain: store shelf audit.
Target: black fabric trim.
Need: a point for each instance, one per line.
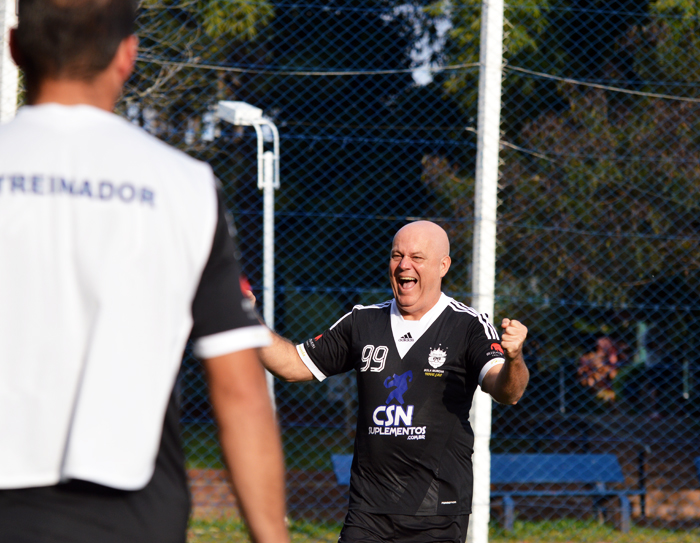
(218, 305)
(85, 512)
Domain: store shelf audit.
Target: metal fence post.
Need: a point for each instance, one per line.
(9, 75)
(484, 257)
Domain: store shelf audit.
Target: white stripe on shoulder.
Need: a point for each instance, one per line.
(374, 306)
(489, 329)
(340, 320)
(462, 308)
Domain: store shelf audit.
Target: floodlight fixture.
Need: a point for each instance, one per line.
(243, 114)
(239, 113)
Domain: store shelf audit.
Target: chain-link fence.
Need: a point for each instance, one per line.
(598, 239)
(598, 228)
(598, 218)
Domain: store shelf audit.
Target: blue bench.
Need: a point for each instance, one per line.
(588, 474)
(341, 467)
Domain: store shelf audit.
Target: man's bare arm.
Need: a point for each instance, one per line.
(506, 382)
(282, 360)
(250, 441)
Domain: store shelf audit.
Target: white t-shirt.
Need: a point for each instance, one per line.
(105, 233)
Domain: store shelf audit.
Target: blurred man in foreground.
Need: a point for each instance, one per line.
(114, 250)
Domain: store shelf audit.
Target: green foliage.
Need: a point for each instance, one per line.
(524, 25)
(599, 189)
(675, 38)
(175, 37)
(237, 19)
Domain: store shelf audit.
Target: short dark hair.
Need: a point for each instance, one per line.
(74, 39)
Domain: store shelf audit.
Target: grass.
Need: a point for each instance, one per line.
(559, 531)
(576, 531)
(233, 531)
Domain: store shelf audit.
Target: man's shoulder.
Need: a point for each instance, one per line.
(365, 313)
(382, 306)
(372, 311)
(464, 317)
(455, 309)
(104, 131)
(145, 144)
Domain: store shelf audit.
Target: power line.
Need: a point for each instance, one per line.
(603, 87)
(316, 73)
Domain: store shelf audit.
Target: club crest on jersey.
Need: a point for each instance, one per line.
(437, 357)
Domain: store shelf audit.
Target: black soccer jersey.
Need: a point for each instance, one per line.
(413, 444)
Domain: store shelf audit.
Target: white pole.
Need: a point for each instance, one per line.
(268, 176)
(484, 257)
(9, 75)
(243, 114)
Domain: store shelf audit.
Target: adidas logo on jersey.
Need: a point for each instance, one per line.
(406, 337)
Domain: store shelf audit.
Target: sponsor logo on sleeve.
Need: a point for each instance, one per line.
(496, 350)
(312, 342)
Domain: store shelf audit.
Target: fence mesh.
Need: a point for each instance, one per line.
(598, 220)
(598, 232)
(598, 225)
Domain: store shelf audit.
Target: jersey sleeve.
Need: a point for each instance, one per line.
(484, 349)
(224, 321)
(329, 353)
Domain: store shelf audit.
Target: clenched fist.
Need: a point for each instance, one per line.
(513, 337)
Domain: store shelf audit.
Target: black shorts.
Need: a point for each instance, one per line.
(84, 512)
(363, 527)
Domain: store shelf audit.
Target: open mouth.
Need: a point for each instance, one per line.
(407, 282)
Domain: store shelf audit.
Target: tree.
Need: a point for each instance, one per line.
(352, 143)
(598, 195)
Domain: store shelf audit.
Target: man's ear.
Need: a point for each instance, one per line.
(445, 265)
(126, 57)
(14, 48)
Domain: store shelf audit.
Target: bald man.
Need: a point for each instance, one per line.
(418, 358)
